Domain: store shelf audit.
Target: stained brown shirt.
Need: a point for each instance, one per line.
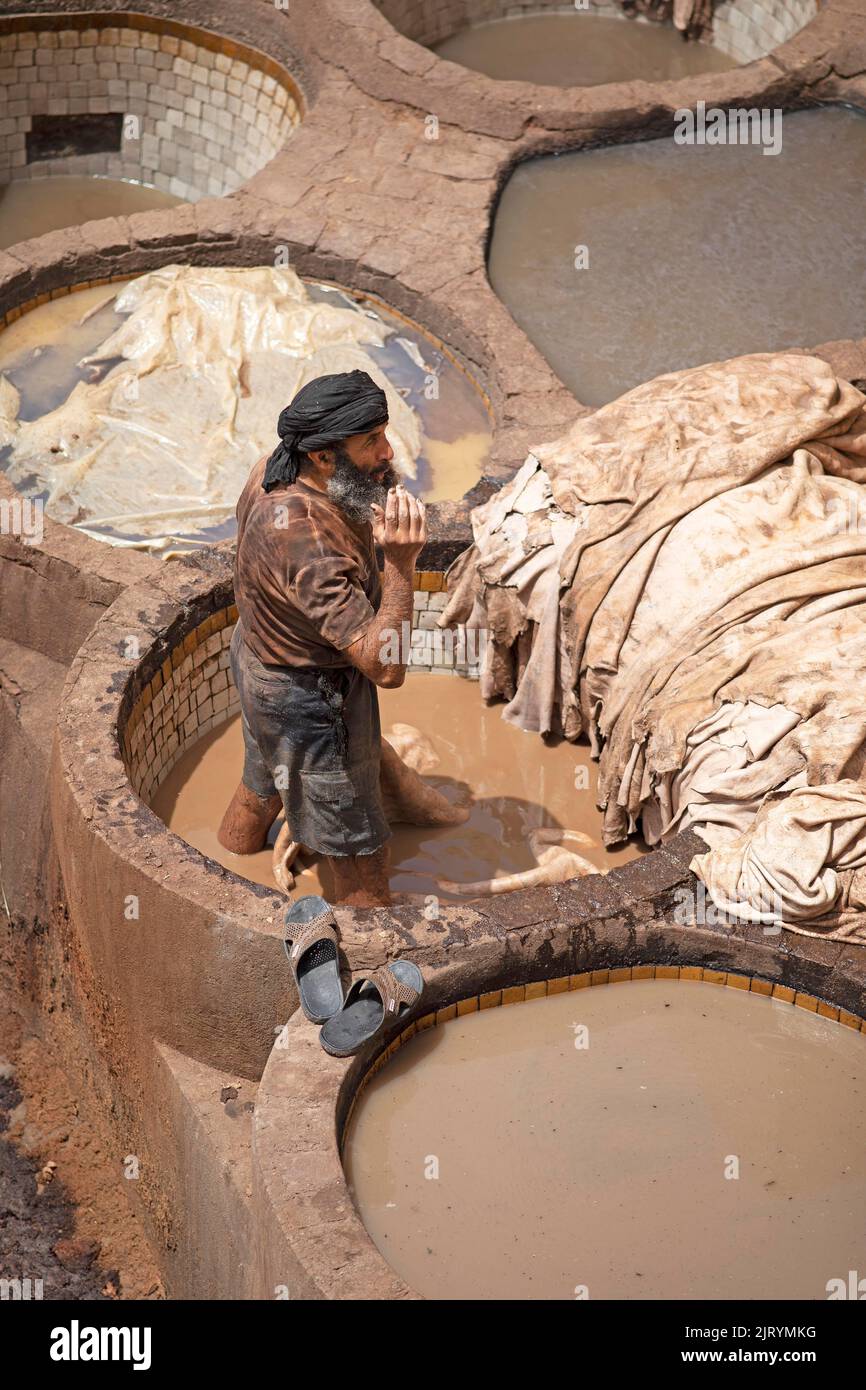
(306, 580)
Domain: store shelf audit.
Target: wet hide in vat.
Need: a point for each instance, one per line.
(682, 576)
(187, 397)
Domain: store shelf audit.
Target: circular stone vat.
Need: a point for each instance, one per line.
(444, 420)
(518, 782)
(664, 1139)
(133, 97)
(580, 50)
(467, 31)
(765, 251)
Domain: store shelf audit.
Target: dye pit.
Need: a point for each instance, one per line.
(493, 1157)
(579, 50)
(518, 782)
(32, 207)
(696, 253)
(41, 358)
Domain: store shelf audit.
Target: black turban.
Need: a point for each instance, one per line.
(323, 412)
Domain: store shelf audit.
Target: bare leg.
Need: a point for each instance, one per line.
(245, 825)
(361, 880)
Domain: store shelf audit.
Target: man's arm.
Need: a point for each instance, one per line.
(401, 531)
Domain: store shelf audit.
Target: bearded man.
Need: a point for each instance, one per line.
(315, 619)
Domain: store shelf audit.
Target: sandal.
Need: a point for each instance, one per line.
(386, 994)
(311, 945)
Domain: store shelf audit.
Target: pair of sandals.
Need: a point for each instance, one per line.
(312, 946)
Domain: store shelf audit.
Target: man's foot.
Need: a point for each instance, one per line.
(245, 825)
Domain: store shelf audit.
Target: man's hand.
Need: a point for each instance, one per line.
(401, 529)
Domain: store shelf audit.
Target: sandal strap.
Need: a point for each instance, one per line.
(393, 992)
(300, 936)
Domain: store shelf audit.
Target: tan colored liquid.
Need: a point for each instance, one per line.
(696, 253)
(31, 207)
(579, 50)
(605, 1167)
(517, 781)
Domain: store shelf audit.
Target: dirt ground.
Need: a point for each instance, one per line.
(64, 1217)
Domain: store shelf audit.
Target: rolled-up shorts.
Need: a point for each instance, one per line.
(316, 743)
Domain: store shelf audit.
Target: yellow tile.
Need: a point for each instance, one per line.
(408, 1032)
(220, 619)
(849, 1020)
(667, 972)
(643, 972)
(579, 981)
(738, 981)
(428, 1021)
(166, 669)
(190, 642)
(445, 1015)
(715, 977)
(622, 972)
(491, 1000)
(783, 992)
(599, 977)
(806, 1001)
(429, 581)
(691, 972)
(232, 614)
(761, 986)
(536, 990)
(515, 994)
(467, 1006)
(827, 1010)
(558, 986)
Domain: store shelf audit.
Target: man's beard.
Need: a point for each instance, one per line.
(355, 491)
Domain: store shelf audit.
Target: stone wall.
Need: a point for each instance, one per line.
(747, 29)
(201, 114)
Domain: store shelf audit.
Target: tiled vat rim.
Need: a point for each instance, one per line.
(213, 111)
(192, 692)
(539, 989)
(24, 308)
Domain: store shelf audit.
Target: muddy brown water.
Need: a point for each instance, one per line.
(517, 781)
(492, 1158)
(31, 207)
(579, 50)
(695, 253)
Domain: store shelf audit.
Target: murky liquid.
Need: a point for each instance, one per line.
(31, 207)
(518, 783)
(40, 354)
(695, 253)
(606, 1166)
(579, 50)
